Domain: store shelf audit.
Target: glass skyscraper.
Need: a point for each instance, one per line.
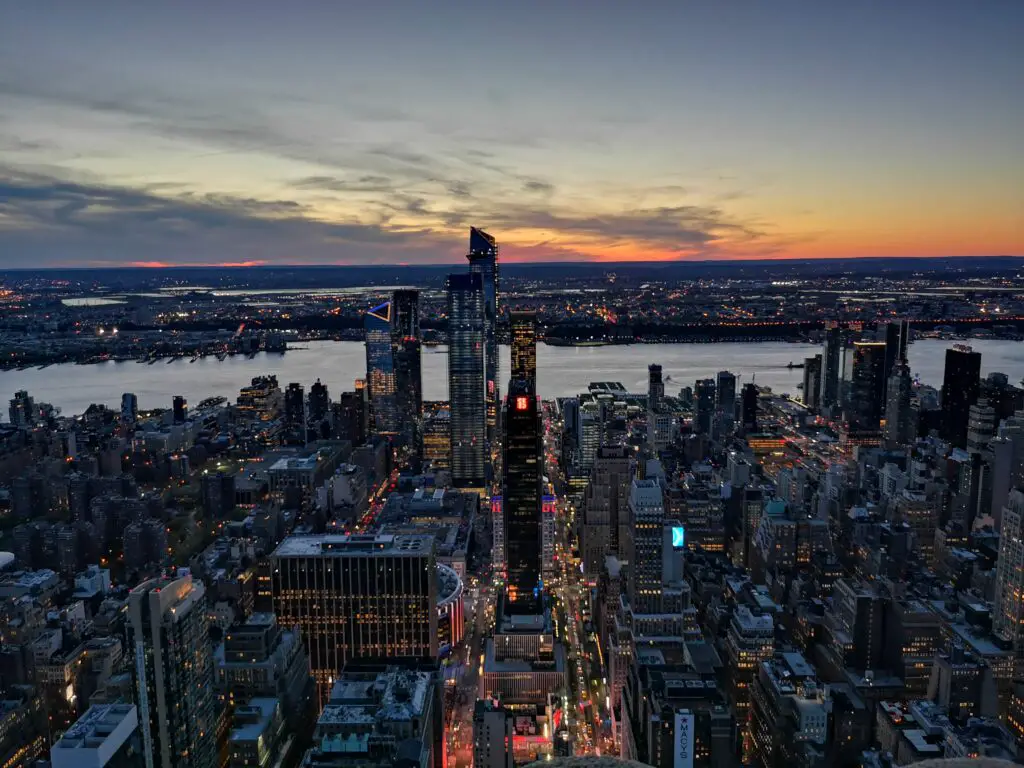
(521, 497)
(867, 388)
(961, 382)
(483, 260)
(406, 351)
(380, 370)
(467, 393)
(524, 346)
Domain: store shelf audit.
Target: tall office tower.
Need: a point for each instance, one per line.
(129, 409)
(655, 387)
(748, 407)
(179, 409)
(831, 366)
(812, 382)
(524, 346)
(703, 405)
(899, 427)
(1007, 471)
(380, 370)
(961, 381)
(359, 596)
(295, 414)
(483, 261)
(319, 401)
(867, 388)
(725, 399)
(521, 497)
(897, 338)
(749, 641)
(646, 523)
(467, 379)
(1008, 616)
(605, 508)
(406, 350)
(981, 426)
(168, 632)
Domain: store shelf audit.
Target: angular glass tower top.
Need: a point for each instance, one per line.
(480, 242)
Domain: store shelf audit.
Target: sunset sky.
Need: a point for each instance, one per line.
(378, 132)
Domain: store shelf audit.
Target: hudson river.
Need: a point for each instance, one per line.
(562, 371)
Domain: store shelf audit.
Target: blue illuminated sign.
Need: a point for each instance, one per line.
(678, 537)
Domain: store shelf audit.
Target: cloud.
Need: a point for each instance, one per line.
(47, 220)
(364, 183)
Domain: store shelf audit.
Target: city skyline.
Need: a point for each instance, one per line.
(146, 136)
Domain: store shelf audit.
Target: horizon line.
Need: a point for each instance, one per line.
(156, 266)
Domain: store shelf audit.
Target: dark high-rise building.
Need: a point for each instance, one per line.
(961, 381)
(295, 413)
(812, 382)
(655, 387)
(524, 346)
(521, 497)
(405, 345)
(897, 338)
(319, 401)
(483, 261)
(867, 388)
(725, 399)
(899, 428)
(349, 416)
(22, 410)
(467, 382)
(703, 405)
(748, 407)
(380, 370)
(831, 366)
(168, 632)
(180, 409)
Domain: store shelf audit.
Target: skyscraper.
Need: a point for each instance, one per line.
(725, 399)
(897, 338)
(1008, 616)
(867, 388)
(521, 497)
(179, 409)
(812, 382)
(898, 425)
(655, 387)
(129, 409)
(748, 407)
(604, 508)
(173, 673)
(703, 405)
(319, 401)
(295, 414)
(380, 370)
(467, 383)
(961, 381)
(483, 261)
(360, 596)
(646, 524)
(831, 366)
(524, 346)
(406, 351)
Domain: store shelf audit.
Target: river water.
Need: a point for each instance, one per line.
(561, 371)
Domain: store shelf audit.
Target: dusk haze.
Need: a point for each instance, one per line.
(359, 133)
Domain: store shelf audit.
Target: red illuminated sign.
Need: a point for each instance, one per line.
(521, 403)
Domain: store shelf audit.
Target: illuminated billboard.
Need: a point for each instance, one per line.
(678, 537)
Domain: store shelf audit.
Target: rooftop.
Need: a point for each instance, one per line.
(354, 545)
